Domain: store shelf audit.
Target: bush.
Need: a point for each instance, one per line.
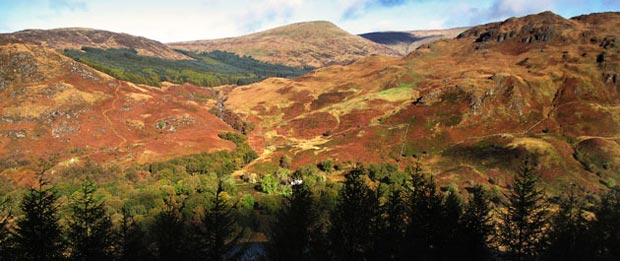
(269, 184)
(326, 165)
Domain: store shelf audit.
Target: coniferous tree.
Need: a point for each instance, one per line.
(169, 230)
(424, 235)
(131, 243)
(450, 234)
(295, 222)
(570, 230)
(38, 235)
(6, 242)
(90, 227)
(350, 233)
(391, 236)
(218, 231)
(607, 225)
(522, 230)
(477, 225)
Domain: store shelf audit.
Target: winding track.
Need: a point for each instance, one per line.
(105, 115)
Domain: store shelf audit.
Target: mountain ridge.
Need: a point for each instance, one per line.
(305, 44)
(76, 38)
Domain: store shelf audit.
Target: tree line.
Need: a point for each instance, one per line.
(206, 69)
(420, 222)
(370, 219)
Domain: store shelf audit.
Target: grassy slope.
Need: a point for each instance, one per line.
(313, 44)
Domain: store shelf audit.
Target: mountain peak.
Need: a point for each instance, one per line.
(306, 44)
(542, 27)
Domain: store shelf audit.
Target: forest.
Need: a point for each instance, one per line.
(191, 208)
(206, 69)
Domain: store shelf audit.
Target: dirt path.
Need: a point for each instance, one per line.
(105, 115)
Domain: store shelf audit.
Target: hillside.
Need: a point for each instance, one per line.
(471, 108)
(309, 44)
(76, 38)
(407, 41)
(52, 106)
(205, 69)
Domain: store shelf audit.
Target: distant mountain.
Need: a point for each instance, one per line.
(309, 44)
(76, 38)
(407, 41)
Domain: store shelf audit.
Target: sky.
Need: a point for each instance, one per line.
(184, 20)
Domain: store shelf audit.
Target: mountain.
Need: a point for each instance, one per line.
(407, 41)
(470, 109)
(309, 44)
(51, 105)
(76, 38)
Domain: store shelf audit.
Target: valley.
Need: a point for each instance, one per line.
(309, 123)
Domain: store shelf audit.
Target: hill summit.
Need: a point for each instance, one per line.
(76, 38)
(307, 44)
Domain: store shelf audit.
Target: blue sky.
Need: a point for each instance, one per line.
(182, 20)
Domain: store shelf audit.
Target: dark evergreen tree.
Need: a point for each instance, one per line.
(522, 230)
(38, 235)
(295, 222)
(394, 213)
(131, 243)
(607, 225)
(570, 230)
(90, 228)
(477, 226)
(424, 235)
(6, 242)
(218, 232)
(169, 230)
(350, 233)
(449, 239)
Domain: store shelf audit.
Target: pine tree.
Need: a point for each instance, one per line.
(218, 231)
(570, 230)
(450, 245)
(391, 236)
(424, 235)
(477, 225)
(131, 239)
(295, 222)
(169, 230)
(90, 228)
(522, 230)
(607, 225)
(38, 235)
(350, 233)
(6, 242)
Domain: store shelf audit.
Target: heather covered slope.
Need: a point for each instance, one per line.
(309, 44)
(51, 105)
(472, 107)
(76, 38)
